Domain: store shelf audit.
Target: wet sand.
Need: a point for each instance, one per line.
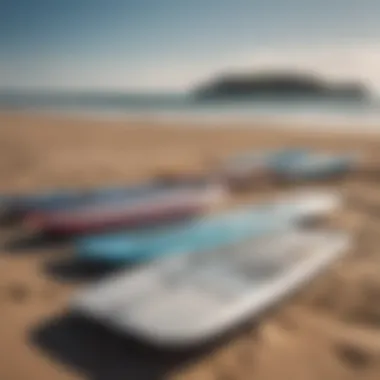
(329, 330)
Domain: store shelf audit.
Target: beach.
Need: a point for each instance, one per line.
(329, 330)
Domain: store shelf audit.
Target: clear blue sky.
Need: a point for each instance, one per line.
(139, 44)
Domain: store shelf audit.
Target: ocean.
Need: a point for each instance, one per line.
(166, 107)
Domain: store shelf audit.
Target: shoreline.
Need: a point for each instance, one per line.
(308, 122)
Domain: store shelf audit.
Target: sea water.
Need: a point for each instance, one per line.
(306, 111)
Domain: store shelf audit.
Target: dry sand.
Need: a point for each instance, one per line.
(330, 330)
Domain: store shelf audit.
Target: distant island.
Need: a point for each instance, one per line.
(278, 85)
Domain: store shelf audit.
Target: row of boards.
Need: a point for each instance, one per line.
(200, 277)
(153, 202)
(204, 287)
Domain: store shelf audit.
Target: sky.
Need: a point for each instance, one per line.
(167, 45)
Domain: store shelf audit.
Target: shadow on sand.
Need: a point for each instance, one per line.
(30, 243)
(72, 269)
(8, 218)
(100, 354)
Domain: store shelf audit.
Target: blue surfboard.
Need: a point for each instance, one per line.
(316, 167)
(269, 160)
(267, 157)
(206, 233)
(296, 163)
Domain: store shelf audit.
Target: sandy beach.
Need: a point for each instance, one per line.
(330, 330)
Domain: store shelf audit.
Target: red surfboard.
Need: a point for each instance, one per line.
(166, 207)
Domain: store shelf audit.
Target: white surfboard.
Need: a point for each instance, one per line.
(191, 298)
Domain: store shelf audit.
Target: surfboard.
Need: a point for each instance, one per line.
(189, 299)
(163, 206)
(263, 157)
(56, 200)
(255, 166)
(315, 167)
(291, 164)
(207, 232)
